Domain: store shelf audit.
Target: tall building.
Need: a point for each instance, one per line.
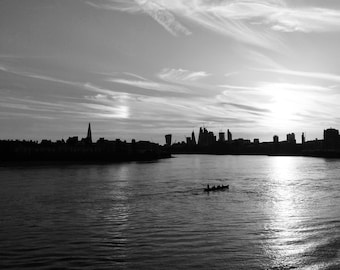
(291, 138)
(230, 136)
(211, 138)
(221, 137)
(168, 139)
(200, 136)
(303, 138)
(89, 134)
(331, 138)
(193, 139)
(205, 137)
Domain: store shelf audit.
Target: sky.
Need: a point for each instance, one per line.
(145, 68)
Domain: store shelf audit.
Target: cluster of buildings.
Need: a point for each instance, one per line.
(224, 143)
(83, 150)
(205, 138)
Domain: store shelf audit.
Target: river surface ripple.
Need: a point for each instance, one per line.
(279, 213)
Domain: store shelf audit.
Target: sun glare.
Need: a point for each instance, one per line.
(285, 106)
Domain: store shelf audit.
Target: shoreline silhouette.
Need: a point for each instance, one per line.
(75, 150)
(208, 143)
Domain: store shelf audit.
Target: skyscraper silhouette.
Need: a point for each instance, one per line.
(331, 138)
(168, 139)
(89, 134)
(229, 136)
(303, 138)
(193, 139)
(221, 137)
(291, 138)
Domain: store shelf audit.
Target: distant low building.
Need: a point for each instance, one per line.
(72, 140)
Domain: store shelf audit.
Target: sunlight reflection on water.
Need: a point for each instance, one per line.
(279, 213)
(290, 238)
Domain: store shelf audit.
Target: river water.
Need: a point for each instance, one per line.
(279, 213)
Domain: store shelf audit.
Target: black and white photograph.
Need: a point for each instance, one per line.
(170, 134)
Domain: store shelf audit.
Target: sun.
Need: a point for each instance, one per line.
(282, 114)
(284, 107)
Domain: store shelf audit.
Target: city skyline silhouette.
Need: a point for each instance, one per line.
(75, 149)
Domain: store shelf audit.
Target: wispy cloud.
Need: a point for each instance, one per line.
(159, 12)
(246, 107)
(100, 110)
(315, 75)
(181, 75)
(311, 19)
(151, 85)
(93, 108)
(270, 87)
(80, 85)
(24, 115)
(155, 9)
(252, 22)
(33, 108)
(113, 92)
(32, 75)
(260, 59)
(121, 5)
(106, 103)
(110, 106)
(101, 90)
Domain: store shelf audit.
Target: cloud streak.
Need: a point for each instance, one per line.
(155, 9)
(106, 104)
(137, 81)
(151, 85)
(93, 108)
(315, 75)
(253, 22)
(181, 75)
(163, 16)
